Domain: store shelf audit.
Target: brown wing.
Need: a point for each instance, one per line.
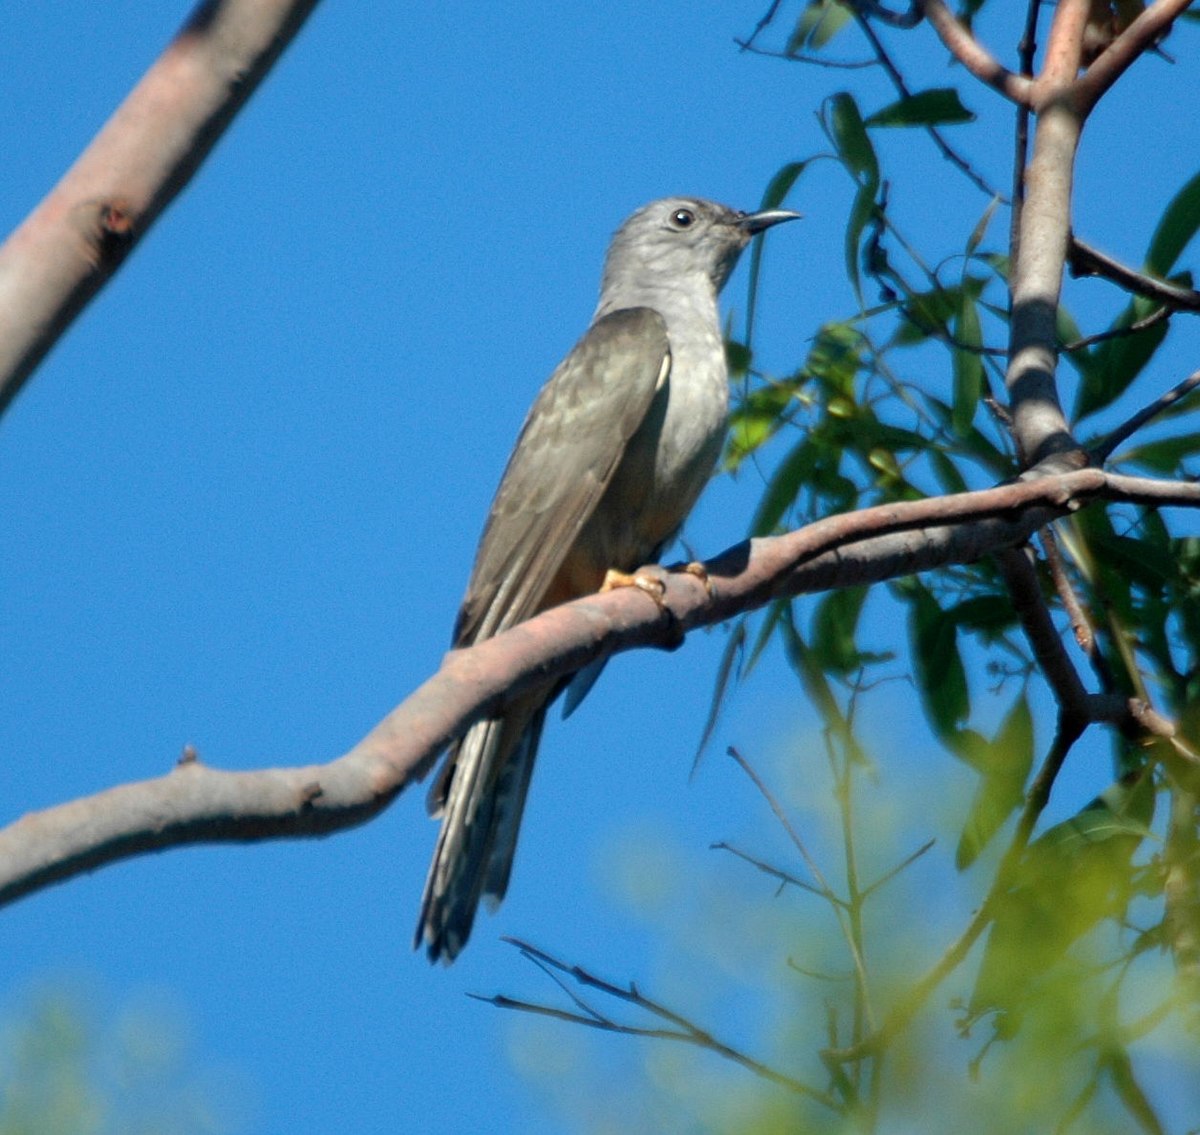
(571, 443)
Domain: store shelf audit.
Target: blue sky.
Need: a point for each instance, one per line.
(242, 497)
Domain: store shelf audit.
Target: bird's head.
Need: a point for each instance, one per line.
(679, 238)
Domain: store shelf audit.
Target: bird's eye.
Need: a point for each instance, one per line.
(683, 218)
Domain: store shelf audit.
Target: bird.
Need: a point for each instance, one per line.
(612, 456)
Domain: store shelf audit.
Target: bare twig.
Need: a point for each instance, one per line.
(805, 57)
(677, 1027)
(893, 72)
(1155, 317)
(763, 21)
(903, 1012)
(1087, 260)
(783, 876)
(823, 887)
(1081, 624)
(888, 876)
(1103, 450)
(877, 11)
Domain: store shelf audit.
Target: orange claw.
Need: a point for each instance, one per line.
(650, 580)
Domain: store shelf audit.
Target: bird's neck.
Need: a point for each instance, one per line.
(680, 300)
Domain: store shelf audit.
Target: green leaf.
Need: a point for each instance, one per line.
(820, 21)
(781, 184)
(1117, 362)
(849, 136)
(844, 125)
(989, 616)
(727, 672)
(775, 611)
(946, 472)
(793, 472)
(737, 358)
(754, 421)
(1164, 456)
(1077, 874)
(936, 107)
(1001, 790)
(1175, 230)
(778, 188)
(981, 227)
(968, 366)
(937, 665)
(835, 626)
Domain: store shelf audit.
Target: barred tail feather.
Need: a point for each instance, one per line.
(482, 802)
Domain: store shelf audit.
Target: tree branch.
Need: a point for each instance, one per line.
(197, 804)
(676, 1027)
(1103, 449)
(71, 244)
(1119, 56)
(1086, 260)
(1039, 424)
(959, 41)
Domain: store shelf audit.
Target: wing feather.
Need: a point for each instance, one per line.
(570, 445)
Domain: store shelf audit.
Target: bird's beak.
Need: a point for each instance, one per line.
(758, 222)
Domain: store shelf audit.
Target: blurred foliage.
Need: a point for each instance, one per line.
(61, 1073)
(1077, 966)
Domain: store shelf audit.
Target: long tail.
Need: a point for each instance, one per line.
(481, 796)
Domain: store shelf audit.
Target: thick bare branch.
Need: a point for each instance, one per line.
(1039, 424)
(69, 246)
(197, 804)
(1020, 576)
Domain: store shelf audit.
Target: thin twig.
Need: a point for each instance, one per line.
(908, 1006)
(1021, 579)
(776, 872)
(1026, 50)
(1086, 260)
(1103, 450)
(804, 57)
(888, 876)
(1081, 623)
(877, 11)
(1155, 317)
(824, 889)
(681, 1028)
(893, 72)
(764, 20)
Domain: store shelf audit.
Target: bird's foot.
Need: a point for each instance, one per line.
(650, 580)
(696, 568)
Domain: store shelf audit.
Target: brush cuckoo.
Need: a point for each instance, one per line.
(613, 454)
